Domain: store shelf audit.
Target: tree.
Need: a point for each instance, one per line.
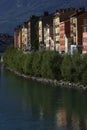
(51, 65)
(84, 69)
(28, 64)
(77, 66)
(36, 64)
(66, 68)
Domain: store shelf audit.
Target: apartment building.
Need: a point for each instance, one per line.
(17, 37)
(28, 35)
(57, 31)
(64, 36)
(85, 36)
(46, 37)
(46, 31)
(40, 29)
(60, 16)
(24, 36)
(76, 22)
(34, 32)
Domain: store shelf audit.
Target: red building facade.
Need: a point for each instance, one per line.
(64, 31)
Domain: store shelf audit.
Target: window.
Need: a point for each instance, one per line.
(62, 28)
(61, 35)
(85, 39)
(85, 29)
(85, 21)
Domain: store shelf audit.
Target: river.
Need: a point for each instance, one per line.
(28, 105)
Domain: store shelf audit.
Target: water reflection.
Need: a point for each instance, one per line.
(72, 114)
(30, 104)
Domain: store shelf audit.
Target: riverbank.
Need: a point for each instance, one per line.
(50, 66)
(53, 83)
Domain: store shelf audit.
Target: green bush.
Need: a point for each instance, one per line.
(77, 66)
(50, 67)
(36, 64)
(19, 61)
(9, 57)
(27, 68)
(14, 59)
(55, 64)
(84, 77)
(48, 64)
(84, 69)
(66, 67)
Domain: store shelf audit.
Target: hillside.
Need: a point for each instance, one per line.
(5, 41)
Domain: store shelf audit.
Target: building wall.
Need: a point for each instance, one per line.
(17, 37)
(67, 28)
(60, 16)
(84, 42)
(25, 37)
(28, 33)
(41, 45)
(56, 31)
(47, 26)
(62, 40)
(22, 37)
(40, 31)
(80, 22)
(73, 29)
(19, 40)
(46, 37)
(34, 31)
(64, 33)
(48, 40)
(77, 29)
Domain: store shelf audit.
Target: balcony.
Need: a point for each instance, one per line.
(56, 25)
(56, 34)
(73, 24)
(57, 42)
(74, 33)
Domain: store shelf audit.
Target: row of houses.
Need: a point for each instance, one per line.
(63, 30)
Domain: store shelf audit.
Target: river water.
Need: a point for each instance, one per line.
(28, 105)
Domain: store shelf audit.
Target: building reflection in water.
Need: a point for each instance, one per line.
(75, 123)
(61, 118)
(63, 108)
(64, 120)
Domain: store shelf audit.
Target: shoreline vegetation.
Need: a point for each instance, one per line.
(49, 67)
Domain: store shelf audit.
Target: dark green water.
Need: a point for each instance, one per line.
(27, 105)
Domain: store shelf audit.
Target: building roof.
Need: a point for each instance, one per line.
(64, 14)
(78, 12)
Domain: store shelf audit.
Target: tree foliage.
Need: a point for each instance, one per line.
(48, 64)
(66, 67)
